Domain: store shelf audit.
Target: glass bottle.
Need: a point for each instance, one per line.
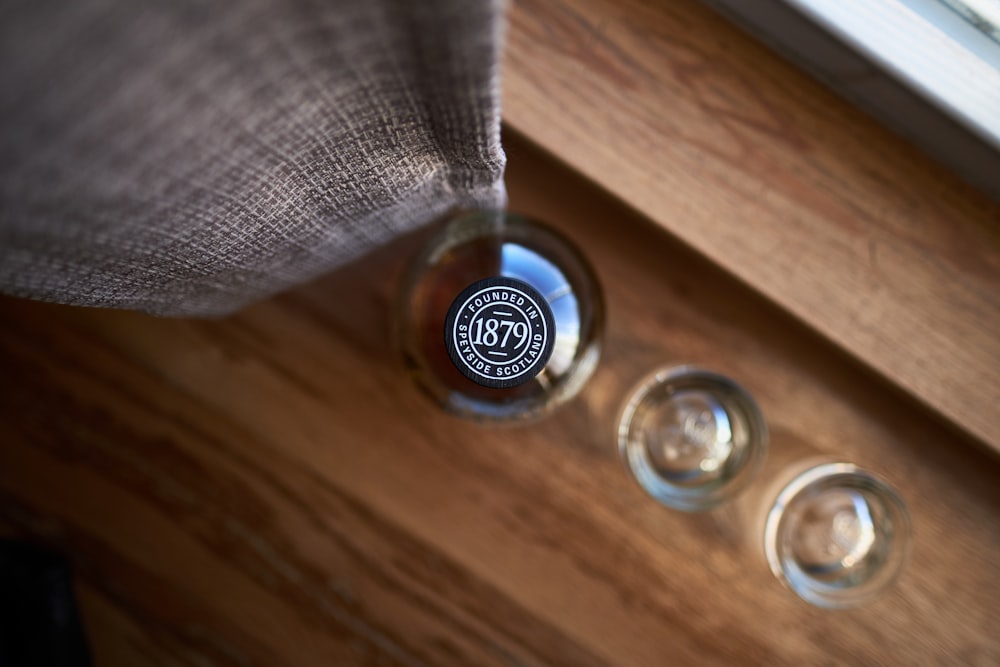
(500, 318)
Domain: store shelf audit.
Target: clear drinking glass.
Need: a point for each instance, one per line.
(837, 535)
(500, 318)
(692, 438)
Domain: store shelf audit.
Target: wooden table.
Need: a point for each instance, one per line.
(271, 489)
(773, 177)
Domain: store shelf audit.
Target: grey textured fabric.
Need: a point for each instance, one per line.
(187, 158)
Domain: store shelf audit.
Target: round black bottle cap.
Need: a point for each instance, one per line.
(499, 332)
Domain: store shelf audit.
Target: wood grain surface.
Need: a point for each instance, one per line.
(775, 179)
(270, 489)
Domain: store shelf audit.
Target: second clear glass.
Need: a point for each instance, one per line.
(835, 534)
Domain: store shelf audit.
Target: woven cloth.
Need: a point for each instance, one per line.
(188, 158)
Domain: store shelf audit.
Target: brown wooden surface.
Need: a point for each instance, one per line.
(776, 179)
(270, 489)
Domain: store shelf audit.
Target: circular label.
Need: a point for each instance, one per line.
(499, 332)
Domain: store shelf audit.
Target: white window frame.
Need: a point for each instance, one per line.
(915, 64)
